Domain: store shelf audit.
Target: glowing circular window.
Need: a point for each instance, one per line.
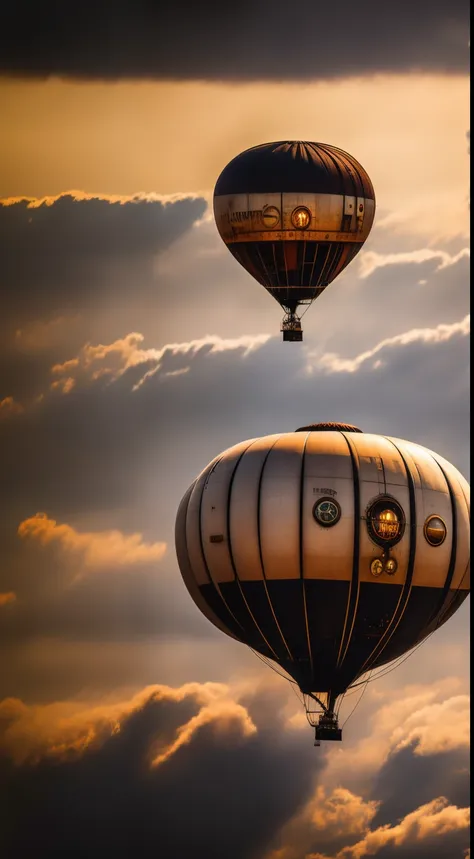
(435, 530)
(327, 512)
(385, 521)
(300, 218)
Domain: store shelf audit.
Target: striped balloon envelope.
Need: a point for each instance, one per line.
(294, 214)
(329, 551)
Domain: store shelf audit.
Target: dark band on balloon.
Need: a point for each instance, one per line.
(303, 583)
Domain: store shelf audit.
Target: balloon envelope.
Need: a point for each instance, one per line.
(328, 550)
(294, 214)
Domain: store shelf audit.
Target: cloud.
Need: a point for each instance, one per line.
(75, 269)
(61, 729)
(370, 261)
(433, 820)
(437, 727)
(100, 550)
(64, 254)
(114, 359)
(9, 406)
(126, 762)
(334, 364)
(409, 718)
(7, 598)
(206, 43)
(342, 811)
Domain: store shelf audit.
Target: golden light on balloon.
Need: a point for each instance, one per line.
(308, 547)
(294, 214)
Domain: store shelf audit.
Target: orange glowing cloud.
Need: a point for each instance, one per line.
(69, 728)
(9, 406)
(98, 549)
(7, 597)
(114, 359)
(343, 811)
(434, 819)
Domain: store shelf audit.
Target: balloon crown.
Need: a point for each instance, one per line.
(329, 426)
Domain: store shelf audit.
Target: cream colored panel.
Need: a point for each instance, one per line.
(326, 210)
(327, 552)
(460, 487)
(186, 568)
(266, 216)
(244, 510)
(280, 508)
(430, 474)
(214, 516)
(461, 578)
(370, 460)
(193, 527)
(371, 486)
(393, 465)
(429, 569)
(327, 455)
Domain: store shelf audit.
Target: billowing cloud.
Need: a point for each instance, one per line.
(128, 761)
(100, 550)
(437, 727)
(206, 42)
(342, 811)
(431, 821)
(114, 359)
(66, 253)
(7, 597)
(57, 730)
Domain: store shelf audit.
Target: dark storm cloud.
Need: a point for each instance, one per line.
(226, 793)
(252, 40)
(59, 255)
(72, 257)
(444, 774)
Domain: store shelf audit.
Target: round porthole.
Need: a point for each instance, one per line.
(385, 521)
(300, 218)
(327, 512)
(434, 530)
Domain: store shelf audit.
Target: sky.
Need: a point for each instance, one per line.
(134, 349)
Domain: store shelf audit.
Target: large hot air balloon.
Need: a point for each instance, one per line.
(329, 551)
(294, 214)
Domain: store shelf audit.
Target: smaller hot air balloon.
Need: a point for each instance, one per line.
(330, 552)
(294, 214)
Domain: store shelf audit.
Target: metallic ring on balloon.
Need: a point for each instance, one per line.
(301, 218)
(385, 521)
(390, 566)
(327, 512)
(435, 530)
(376, 567)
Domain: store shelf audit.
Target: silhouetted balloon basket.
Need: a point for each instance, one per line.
(291, 328)
(327, 729)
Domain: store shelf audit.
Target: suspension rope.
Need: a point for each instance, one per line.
(357, 703)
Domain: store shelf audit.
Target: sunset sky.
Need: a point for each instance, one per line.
(134, 349)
